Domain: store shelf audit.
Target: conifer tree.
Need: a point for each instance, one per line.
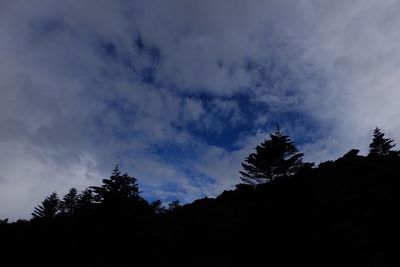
(381, 146)
(69, 204)
(48, 209)
(118, 187)
(86, 201)
(119, 195)
(274, 158)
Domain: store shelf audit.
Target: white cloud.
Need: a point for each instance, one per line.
(69, 110)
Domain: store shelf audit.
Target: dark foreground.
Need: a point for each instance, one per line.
(343, 213)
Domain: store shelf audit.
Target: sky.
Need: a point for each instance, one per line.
(179, 92)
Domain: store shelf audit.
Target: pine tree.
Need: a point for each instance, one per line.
(48, 209)
(119, 194)
(69, 204)
(274, 158)
(86, 202)
(381, 146)
(118, 187)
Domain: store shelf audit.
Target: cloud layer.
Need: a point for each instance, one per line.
(179, 92)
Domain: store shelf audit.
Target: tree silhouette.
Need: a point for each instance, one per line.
(174, 205)
(119, 187)
(69, 204)
(119, 194)
(48, 209)
(344, 211)
(157, 207)
(86, 201)
(381, 146)
(274, 158)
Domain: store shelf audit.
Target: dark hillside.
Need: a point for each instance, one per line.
(344, 212)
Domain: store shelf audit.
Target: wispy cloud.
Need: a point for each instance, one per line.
(163, 87)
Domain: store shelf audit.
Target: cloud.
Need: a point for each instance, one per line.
(352, 51)
(184, 89)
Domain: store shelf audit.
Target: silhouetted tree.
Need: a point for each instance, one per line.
(119, 187)
(120, 194)
(48, 209)
(274, 158)
(345, 212)
(156, 206)
(86, 201)
(174, 205)
(4, 221)
(69, 204)
(381, 146)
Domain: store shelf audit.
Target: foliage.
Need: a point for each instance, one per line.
(381, 146)
(119, 188)
(157, 207)
(48, 209)
(69, 204)
(173, 205)
(342, 213)
(86, 201)
(119, 195)
(274, 158)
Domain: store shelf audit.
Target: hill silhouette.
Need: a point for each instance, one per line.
(341, 213)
